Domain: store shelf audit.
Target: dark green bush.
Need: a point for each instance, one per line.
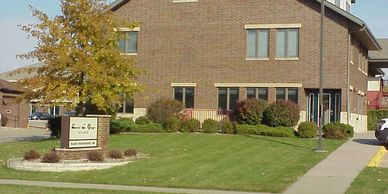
(250, 111)
(31, 155)
(147, 128)
(120, 125)
(337, 131)
(374, 116)
(115, 154)
(130, 152)
(210, 126)
(190, 125)
(162, 109)
(282, 113)
(227, 127)
(54, 125)
(172, 124)
(265, 130)
(142, 120)
(51, 157)
(307, 130)
(95, 156)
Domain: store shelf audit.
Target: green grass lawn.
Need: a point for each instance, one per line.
(13, 189)
(203, 161)
(370, 180)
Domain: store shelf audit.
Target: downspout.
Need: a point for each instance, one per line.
(348, 80)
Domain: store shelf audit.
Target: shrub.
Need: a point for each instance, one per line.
(51, 157)
(307, 130)
(227, 127)
(250, 111)
(95, 156)
(190, 125)
(147, 128)
(210, 126)
(374, 116)
(120, 125)
(338, 131)
(142, 120)
(162, 109)
(31, 155)
(265, 130)
(282, 113)
(4, 120)
(115, 154)
(172, 124)
(54, 125)
(130, 152)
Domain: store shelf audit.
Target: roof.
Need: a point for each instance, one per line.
(20, 73)
(10, 87)
(382, 55)
(117, 4)
(363, 32)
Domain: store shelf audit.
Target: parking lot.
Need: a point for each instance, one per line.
(17, 134)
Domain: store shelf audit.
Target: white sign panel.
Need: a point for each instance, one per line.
(83, 128)
(82, 143)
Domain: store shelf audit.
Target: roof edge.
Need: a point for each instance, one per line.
(354, 19)
(115, 5)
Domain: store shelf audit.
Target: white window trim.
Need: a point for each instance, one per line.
(183, 84)
(184, 1)
(258, 85)
(269, 26)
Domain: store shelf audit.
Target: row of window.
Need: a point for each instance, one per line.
(228, 97)
(287, 43)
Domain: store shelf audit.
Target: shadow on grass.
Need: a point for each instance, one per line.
(279, 142)
(36, 138)
(373, 142)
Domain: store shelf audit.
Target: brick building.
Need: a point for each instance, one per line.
(211, 53)
(13, 111)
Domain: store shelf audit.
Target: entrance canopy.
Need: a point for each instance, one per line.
(378, 59)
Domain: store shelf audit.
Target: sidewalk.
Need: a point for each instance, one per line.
(115, 187)
(335, 174)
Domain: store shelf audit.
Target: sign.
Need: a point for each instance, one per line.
(82, 143)
(82, 132)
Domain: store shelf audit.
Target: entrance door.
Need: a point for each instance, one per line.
(331, 106)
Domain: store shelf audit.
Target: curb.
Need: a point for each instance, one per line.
(376, 159)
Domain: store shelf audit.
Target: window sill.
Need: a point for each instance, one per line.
(287, 59)
(185, 1)
(128, 54)
(257, 59)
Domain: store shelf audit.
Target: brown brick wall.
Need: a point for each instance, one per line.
(16, 112)
(205, 43)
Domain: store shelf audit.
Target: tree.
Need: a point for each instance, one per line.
(83, 65)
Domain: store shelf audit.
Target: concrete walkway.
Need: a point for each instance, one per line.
(335, 174)
(18, 134)
(114, 187)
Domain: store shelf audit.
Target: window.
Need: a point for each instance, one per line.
(287, 43)
(257, 43)
(127, 106)
(228, 98)
(258, 93)
(290, 94)
(338, 3)
(347, 7)
(185, 95)
(128, 42)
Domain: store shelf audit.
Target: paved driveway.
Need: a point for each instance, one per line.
(17, 134)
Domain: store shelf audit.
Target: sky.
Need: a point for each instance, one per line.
(17, 12)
